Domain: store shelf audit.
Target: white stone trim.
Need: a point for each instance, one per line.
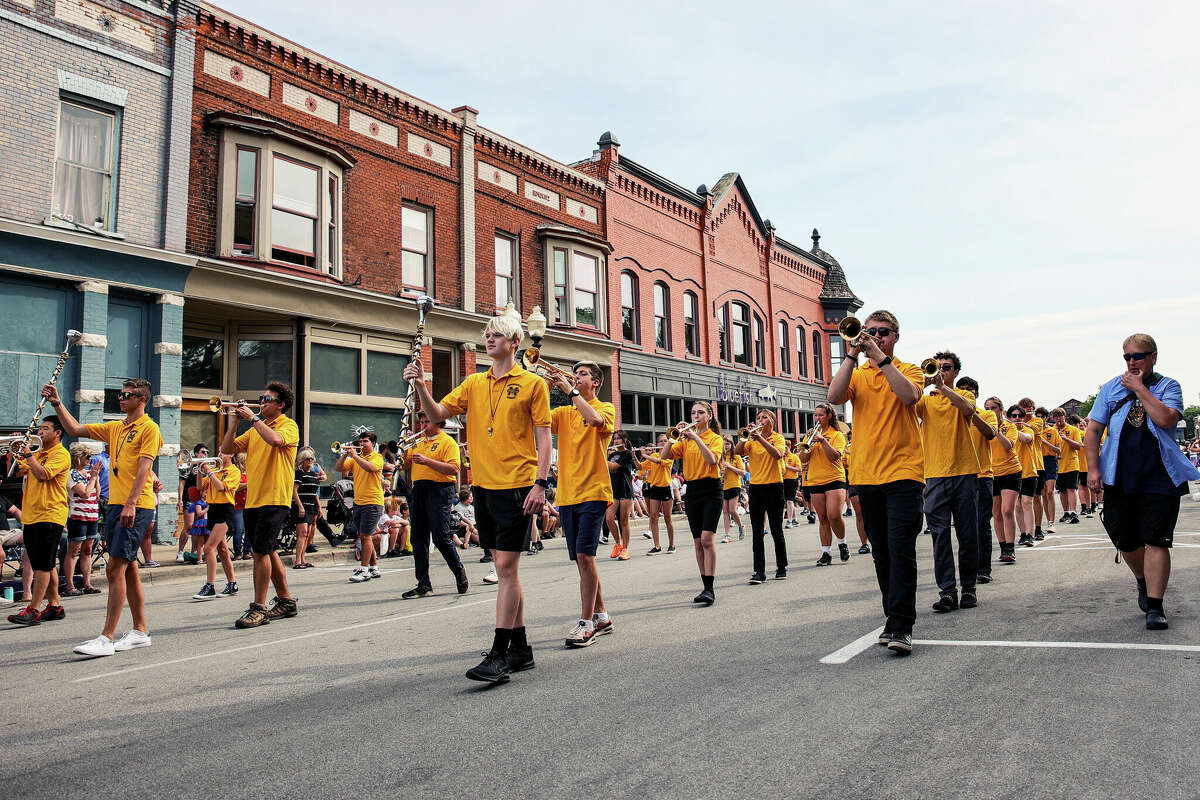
(169, 449)
(89, 396)
(540, 194)
(373, 128)
(466, 347)
(426, 148)
(170, 299)
(302, 99)
(168, 401)
(93, 340)
(86, 87)
(97, 287)
(106, 22)
(25, 21)
(237, 73)
(168, 349)
(582, 210)
(494, 176)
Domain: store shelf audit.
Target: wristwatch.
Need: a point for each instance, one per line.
(884, 362)
(573, 394)
(542, 482)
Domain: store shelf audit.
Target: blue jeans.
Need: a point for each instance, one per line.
(237, 526)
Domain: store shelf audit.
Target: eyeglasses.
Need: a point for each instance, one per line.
(128, 395)
(878, 332)
(1137, 356)
(266, 398)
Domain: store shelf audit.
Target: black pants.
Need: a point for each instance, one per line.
(983, 498)
(946, 498)
(431, 504)
(766, 499)
(892, 516)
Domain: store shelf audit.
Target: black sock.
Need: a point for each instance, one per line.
(500, 643)
(518, 637)
(708, 582)
(1141, 582)
(1155, 604)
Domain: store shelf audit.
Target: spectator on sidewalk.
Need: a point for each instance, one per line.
(83, 528)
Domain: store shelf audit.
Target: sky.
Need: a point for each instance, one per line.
(1015, 181)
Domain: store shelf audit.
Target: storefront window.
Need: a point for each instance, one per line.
(334, 369)
(643, 408)
(384, 378)
(627, 414)
(260, 362)
(330, 423)
(660, 412)
(203, 362)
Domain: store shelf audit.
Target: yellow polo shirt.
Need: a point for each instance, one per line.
(982, 445)
(441, 447)
(946, 437)
(583, 474)
(658, 473)
(368, 486)
(128, 443)
(1026, 453)
(887, 436)
(792, 460)
(764, 468)
(694, 465)
(231, 476)
(1005, 462)
(1080, 454)
(1051, 437)
(501, 415)
(270, 471)
(821, 470)
(1069, 460)
(1038, 424)
(732, 479)
(46, 501)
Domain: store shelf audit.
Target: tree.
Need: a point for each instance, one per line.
(1085, 407)
(1189, 415)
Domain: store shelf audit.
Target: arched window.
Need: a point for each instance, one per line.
(630, 325)
(662, 316)
(801, 353)
(785, 352)
(691, 324)
(818, 357)
(739, 333)
(760, 343)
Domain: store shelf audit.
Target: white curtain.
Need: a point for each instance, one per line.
(81, 173)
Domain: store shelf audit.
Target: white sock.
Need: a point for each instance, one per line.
(587, 623)
(601, 615)
(825, 548)
(841, 541)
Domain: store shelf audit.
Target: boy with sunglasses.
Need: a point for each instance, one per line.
(888, 466)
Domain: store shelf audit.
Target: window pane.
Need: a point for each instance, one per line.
(296, 186)
(504, 257)
(660, 333)
(383, 374)
(660, 300)
(741, 343)
(203, 360)
(243, 225)
(412, 268)
(626, 408)
(503, 291)
(84, 137)
(260, 362)
(560, 304)
(689, 306)
(660, 413)
(643, 407)
(293, 231)
(738, 312)
(560, 267)
(334, 369)
(626, 289)
(585, 268)
(80, 195)
(627, 324)
(585, 308)
(414, 230)
(247, 175)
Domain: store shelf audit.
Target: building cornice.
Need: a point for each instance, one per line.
(52, 233)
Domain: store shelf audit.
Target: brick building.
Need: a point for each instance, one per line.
(91, 214)
(322, 201)
(710, 303)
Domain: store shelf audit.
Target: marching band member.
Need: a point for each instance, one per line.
(219, 486)
(433, 464)
(508, 433)
(659, 498)
(1087, 501)
(983, 494)
(733, 469)
(792, 470)
(1072, 439)
(1036, 426)
(620, 474)
(1006, 480)
(1052, 451)
(700, 447)
(766, 451)
(888, 466)
(864, 544)
(1027, 451)
(826, 482)
(584, 431)
(362, 464)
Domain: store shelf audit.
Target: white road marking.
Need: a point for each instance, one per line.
(854, 648)
(256, 645)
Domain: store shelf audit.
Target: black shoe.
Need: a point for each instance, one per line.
(493, 669)
(312, 548)
(1066, 516)
(417, 592)
(1008, 558)
(1143, 603)
(900, 644)
(848, 513)
(969, 600)
(981, 578)
(947, 602)
(603, 540)
(519, 658)
(885, 638)
(825, 560)
(460, 577)
(1038, 536)
(1074, 520)
(757, 578)
(844, 551)
(781, 574)
(485, 559)
(1156, 620)
(864, 550)
(706, 597)
(812, 518)
(1026, 540)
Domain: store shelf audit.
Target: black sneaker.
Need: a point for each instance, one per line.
(812, 519)
(603, 540)
(969, 600)
(982, 578)
(1156, 620)
(848, 513)
(519, 658)
(1008, 558)
(947, 602)
(1143, 602)
(1074, 520)
(825, 560)
(417, 592)
(207, 592)
(865, 550)
(706, 597)
(885, 638)
(700, 598)
(493, 669)
(230, 589)
(653, 551)
(757, 578)
(1038, 536)
(900, 644)
(460, 577)
(1066, 516)
(485, 559)
(29, 616)
(844, 551)
(1026, 540)
(781, 574)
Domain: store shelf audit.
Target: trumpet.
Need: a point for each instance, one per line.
(682, 429)
(342, 447)
(805, 444)
(406, 443)
(930, 368)
(20, 444)
(745, 433)
(531, 359)
(215, 404)
(850, 329)
(186, 461)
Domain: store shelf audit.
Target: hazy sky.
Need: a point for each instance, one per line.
(1016, 181)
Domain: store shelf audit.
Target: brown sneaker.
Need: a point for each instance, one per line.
(255, 615)
(281, 607)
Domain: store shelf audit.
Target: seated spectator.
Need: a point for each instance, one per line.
(83, 521)
(395, 524)
(16, 538)
(549, 516)
(462, 519)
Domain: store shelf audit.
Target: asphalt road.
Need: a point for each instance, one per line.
(363, 694)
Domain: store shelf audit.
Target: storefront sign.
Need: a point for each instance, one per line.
(739, 391)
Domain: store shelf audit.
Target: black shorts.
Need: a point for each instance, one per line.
(263, 526)
(789, 489)
(1135, 520)
(1029, 486)
(622, 491)
(729, 494)
(703, 505)
(832, 486)
(500, 518)
(852, 491)
(219, 514)
(41, 544)
(660, 493)
(806, 493)
(1041, 481)
(1068, 481)
(1010, 482)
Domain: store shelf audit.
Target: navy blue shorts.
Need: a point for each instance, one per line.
(78, 530)
(1051, 467)
(123, 542)
(582, 524)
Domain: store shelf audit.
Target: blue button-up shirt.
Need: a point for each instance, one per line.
(1167, 390)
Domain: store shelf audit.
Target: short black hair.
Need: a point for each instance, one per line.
(55, 423)
(284, 393)
(199, 446)
(970, 384)
(951, 357)
(369, 435)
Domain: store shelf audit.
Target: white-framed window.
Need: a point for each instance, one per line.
(630, 322)
(760, 347)
(574, 285)
(739, 324)
(85, 165)
(662, 316)
(691, 324)
(416, 247)
(507, 270)
(785, 351)
(801, 353)
(818, 357)
(280, 199)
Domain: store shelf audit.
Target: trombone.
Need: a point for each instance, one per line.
(930, 368)
(20, 444)
(215, 404)
(531, 360)
(406, 443)
(186, 461)
(750, 430)
(682, 429)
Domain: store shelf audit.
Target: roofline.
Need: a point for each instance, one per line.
(659, 182)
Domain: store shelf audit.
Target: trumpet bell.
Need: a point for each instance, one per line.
(850, 328)
(214, 405)
(335, 447)
(183, 460)
(930, 368)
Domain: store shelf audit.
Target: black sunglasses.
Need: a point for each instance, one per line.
(1017, 415)
(877, 332)
(1137, 356)
(128, 395)
(266, 398)
(947, 368)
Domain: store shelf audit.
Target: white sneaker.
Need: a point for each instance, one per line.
(100, 646)
(360, 576)
(491, 577)
(727, 539)
(129, 641)
(179, 557)
(582, 634)
(373, 572)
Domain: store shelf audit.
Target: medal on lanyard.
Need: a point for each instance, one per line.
(1137, 414)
